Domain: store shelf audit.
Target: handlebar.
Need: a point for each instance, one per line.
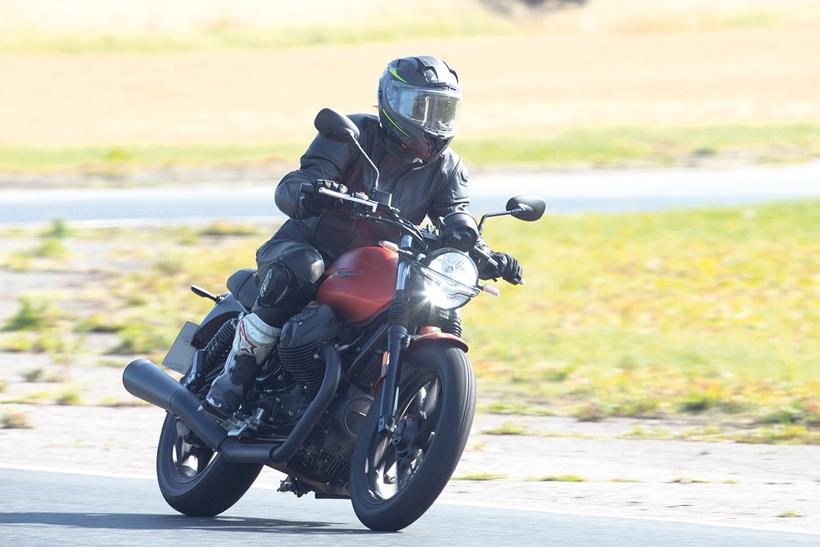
(397, 220)
(372, 205)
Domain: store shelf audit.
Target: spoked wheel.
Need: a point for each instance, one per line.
(194, 480)
(394, 459)
(190, 459)
(397, 476)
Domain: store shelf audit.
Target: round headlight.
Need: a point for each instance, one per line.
(455, 286)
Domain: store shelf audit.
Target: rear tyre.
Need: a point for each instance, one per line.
(395, 479)
(193, 480)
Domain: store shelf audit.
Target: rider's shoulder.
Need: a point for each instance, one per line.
(452, 164)
(365, 122)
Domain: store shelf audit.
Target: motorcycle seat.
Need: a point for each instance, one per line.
(243, 286)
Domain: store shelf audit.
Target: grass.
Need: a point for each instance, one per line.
(68, 397)
(515, 407)
(225, 34)
(687, 480)
(15, 419)
(713, 312)
(709, 313)
(480, 477)
(790, 515)
(33, 375)
(507, 428)
(117, 159)
(30, 316)
(649, 146)
(559, 478)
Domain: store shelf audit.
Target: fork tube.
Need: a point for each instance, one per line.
(396, 334)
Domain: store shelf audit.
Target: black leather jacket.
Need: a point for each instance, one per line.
(433, 189)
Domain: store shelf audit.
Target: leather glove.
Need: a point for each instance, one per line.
(314, 202)
(507, 268)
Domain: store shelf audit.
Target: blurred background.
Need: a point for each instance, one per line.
(673, 292)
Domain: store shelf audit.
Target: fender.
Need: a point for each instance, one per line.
(228, 308)
(438, 336)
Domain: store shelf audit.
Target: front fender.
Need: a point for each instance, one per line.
(437, 337)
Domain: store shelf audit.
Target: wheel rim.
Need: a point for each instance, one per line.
(189, 458)
(395, 458)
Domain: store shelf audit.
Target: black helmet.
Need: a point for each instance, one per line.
(418, 103)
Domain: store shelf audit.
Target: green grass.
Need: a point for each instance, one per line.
(657, 146)
(712, 313)
(649, 146)
(559, 478)
(30, 316)
(507, 428)
(116, 159)
(480, 477)
(227, 35)
(68, 397)
(706, 311)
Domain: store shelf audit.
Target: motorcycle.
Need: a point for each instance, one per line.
(370, 396)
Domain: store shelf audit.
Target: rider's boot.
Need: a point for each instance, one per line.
(252, 343)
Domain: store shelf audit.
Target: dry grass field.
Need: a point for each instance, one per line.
(599, 66)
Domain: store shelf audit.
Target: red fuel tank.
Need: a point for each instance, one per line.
(360, 283)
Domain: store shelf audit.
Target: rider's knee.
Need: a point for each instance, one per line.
(287, 282)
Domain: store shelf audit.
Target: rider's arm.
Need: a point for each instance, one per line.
(324, 159)
(453, 195)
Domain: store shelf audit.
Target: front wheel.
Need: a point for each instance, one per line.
(194, 480)
(396, 477)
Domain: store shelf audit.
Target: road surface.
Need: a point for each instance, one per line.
(45, 508)
(599, 190)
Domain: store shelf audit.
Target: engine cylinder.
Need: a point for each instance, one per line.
(300, 339)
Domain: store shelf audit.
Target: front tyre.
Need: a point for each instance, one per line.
(195, 481)
(396, 477)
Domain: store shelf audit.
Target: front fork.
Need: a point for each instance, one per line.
(396, 337)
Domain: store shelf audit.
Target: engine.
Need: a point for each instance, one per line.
(327, 453)
(300, 339)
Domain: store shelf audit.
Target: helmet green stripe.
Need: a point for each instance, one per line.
(395, 74)
(405, 133)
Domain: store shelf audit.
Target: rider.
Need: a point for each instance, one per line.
(418, 98)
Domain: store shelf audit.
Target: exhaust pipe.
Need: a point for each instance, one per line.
(148, 382)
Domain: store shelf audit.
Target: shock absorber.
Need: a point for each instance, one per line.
(220, 345)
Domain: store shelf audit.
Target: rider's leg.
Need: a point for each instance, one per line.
(287, 274)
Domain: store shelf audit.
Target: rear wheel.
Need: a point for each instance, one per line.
(396, 477)
(194, 480)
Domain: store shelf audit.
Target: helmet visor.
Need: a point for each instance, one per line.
(435, 111)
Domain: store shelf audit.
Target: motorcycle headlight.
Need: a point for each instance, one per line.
(451, 279)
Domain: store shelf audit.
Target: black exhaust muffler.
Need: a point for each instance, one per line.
(148, 382)
(145, 380)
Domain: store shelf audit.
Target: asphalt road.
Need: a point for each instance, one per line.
(594, 190)
(44, 508)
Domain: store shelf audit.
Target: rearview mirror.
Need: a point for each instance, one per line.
(336, 126)
(527, 207)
